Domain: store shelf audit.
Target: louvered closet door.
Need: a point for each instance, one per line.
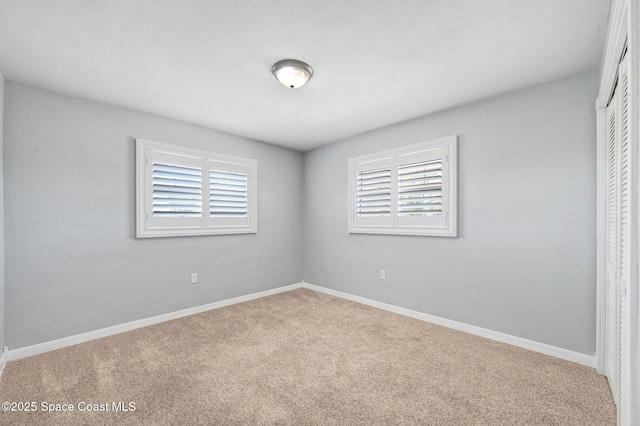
(618, 267)
(624, 234)
(611, 289)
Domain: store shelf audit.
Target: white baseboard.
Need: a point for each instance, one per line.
(3, 362)
(104, 332)
(478, 331)
(555, 351)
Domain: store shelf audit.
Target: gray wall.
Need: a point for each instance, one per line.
(1, 212)
(524, 263)
(72, 262)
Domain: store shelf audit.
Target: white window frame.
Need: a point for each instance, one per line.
(149, 226)
(444, 225)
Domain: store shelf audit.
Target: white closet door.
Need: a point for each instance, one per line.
(618, 267)
(611, 288)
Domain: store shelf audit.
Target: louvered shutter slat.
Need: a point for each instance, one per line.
(170, 194)
(169, 191)
(172, 169)
(227, 176)
(157, 181)
(223, 197)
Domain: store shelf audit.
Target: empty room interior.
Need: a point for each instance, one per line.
(319, 212)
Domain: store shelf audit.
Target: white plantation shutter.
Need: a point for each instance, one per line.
(177, 191)
(228, 194)
(374, 193)
(173, 184)
(230, 201)
(420, 188)
(183, 191)
(373, 186)
(409, 190)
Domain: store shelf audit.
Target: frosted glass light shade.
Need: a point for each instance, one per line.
(292, 73)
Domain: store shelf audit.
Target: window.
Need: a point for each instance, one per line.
(409, 190)
(183, 191)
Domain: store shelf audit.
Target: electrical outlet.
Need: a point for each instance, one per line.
(194, 278)
(383, 274)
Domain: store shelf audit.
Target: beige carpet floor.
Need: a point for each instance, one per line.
(304, 358)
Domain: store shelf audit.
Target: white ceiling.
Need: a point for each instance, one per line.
(376, 62)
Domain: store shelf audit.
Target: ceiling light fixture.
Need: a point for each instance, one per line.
(292, 73)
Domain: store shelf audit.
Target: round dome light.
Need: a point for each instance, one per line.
(292, 73)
